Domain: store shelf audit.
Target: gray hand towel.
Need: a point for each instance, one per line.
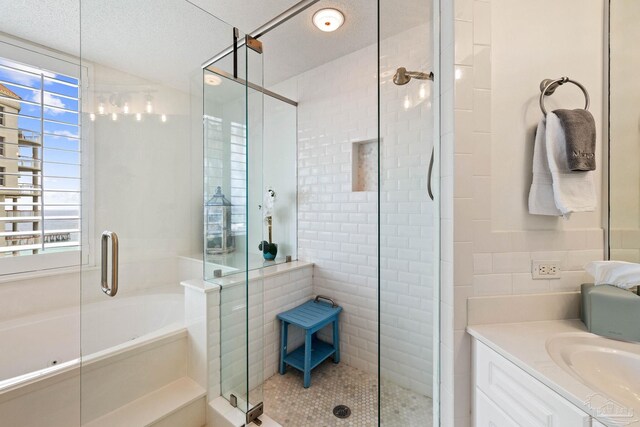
(580, 131)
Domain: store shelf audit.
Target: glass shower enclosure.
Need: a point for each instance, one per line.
(142, 133)
(250, 209)
(233, 134)
(370, 183)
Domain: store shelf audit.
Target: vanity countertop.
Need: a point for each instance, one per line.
(525, 344)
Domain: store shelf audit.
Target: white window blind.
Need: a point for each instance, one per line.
(238, 172)
(226, 166)
(40, 195)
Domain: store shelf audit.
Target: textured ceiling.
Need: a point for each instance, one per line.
(247, 15)
(297, 46)
(167, 40)
(161, 40)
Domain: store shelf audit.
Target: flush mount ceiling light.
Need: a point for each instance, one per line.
(212, 80)
(328, 19)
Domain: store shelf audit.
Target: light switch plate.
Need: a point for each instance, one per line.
(542, 270)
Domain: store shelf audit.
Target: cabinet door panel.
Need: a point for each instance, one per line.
(488, 414)
(521, 396)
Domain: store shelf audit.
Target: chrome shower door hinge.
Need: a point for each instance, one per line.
(254, 413)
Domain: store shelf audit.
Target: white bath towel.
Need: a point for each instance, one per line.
(625, 275)
(541, 201)
(571, 191)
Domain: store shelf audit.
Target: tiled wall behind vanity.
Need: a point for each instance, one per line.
(499, 58)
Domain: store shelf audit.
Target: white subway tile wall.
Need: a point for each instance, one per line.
(281, 293)
(486, 261)
(338, 228)
(365, 166)
(406, 214)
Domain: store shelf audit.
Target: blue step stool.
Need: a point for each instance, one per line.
(311, 316)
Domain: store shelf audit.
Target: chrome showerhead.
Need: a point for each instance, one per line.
(402, 76)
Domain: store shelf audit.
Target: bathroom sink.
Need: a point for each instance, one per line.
(608, 367)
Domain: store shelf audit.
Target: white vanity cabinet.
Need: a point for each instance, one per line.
(505, 395)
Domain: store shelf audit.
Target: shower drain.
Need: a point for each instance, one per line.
(342, 411)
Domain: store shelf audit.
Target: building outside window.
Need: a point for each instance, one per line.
(40, 160)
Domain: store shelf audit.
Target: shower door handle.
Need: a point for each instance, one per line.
(429, 190)
(110, 290)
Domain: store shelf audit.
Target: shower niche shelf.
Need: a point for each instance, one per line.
(364, 169)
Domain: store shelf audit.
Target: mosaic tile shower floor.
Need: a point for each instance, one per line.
(288, 403)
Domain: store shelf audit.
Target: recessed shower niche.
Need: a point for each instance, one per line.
(364, 171)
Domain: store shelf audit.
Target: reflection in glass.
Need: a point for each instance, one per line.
(219, 237)
(250, 147)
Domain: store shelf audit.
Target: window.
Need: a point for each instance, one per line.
(41, 163)
(238, 169)
(234, 173)
(2, 176)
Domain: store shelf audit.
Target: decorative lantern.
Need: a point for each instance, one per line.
(218, 225)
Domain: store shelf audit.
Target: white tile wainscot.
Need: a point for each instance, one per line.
(487, 118)
(202, 319)
(278, 288)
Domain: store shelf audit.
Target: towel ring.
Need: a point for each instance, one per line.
(548, 86)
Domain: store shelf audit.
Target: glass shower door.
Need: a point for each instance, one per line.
(409, 215)
(233, 123)
(40, 234)
(142, 140)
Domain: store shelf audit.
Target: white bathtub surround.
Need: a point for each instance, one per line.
(180, 403)
(153, 366)
(202, 320)
(160, 342)
(529, 346)
(30, 293)
(148, 347)
(42, 341)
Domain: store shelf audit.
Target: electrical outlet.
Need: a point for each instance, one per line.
(545, 270)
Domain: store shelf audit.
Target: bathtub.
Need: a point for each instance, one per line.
(39, 347)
